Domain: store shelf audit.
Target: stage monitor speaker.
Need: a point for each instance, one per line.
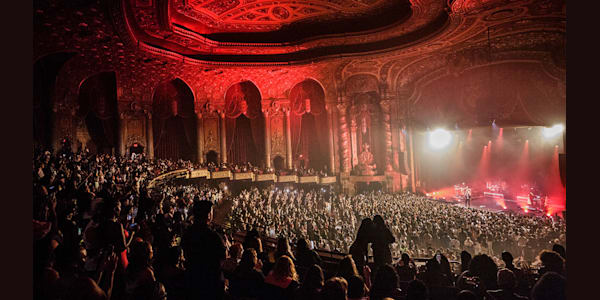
(562, 166)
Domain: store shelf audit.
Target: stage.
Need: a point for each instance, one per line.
(497, 204)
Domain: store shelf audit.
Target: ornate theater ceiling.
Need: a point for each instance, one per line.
(210, 45)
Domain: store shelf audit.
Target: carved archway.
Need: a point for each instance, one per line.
(245, 123)
(98, 110)
(308, 122)
(174, 121)
(45, 71)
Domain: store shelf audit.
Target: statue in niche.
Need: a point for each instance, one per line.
(210, 138)
(366, 165)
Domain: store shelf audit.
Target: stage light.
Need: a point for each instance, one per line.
(439, 138)
(553, 131)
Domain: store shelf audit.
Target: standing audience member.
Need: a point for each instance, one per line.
(204, 253)
(358, 249)
(382, 239)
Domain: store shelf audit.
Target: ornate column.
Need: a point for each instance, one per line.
(199, 138)
(413, 183)
(267, 138)
(344, 138)
(387, 126)
(149, 136)
(331, 153)
(122, 134)
(54, 128)
(353, 139)
(223, 137)
(288, 140)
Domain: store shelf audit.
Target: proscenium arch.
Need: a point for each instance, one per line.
(518, 106)
(45, 71)
(174, 120)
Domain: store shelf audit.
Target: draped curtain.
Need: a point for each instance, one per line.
(308, 122)
(98, 108)
(245, 124)
(174, 121)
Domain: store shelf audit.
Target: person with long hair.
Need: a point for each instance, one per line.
(311, 285)
(359, 248)
(283, 248)
(347, 268)
(247, 280)
(335, 288)
(282, 281)
(306, 257)
(382, 239)
(385, 284)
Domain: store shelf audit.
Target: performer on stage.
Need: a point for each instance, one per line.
(468, 197)
(531, 197)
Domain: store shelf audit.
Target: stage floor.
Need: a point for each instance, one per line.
(502, 205)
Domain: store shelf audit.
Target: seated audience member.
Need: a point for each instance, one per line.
(357, 290)
(484, 268)
(347, 268)
(521, 288)
(335, 288)
(560, 250)
(433, 276)
(231, 262)
(385, 284)
(467, 295)
(507, 283)
(172, 274)
(465, 260)
(406, 268)
(311, 285)
(417, 290)
(282, 281)
(305, 257)
(551, 286)
(551, 262)
(139, 273)
(247, 280)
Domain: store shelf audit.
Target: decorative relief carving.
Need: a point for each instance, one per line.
(211, 134)
(278, 136)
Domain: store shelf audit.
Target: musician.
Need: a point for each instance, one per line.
(531, 197)
(468, 197)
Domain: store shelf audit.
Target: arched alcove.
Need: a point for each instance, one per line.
(98, 108)
(245, 124)
(308, 121)
(365, 118)
(212, 157)
(174, 121)
(45, 71)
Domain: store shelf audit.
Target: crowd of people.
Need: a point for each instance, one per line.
(421, 226)
(99, 233)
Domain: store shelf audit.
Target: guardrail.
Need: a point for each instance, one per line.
(250, 176)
